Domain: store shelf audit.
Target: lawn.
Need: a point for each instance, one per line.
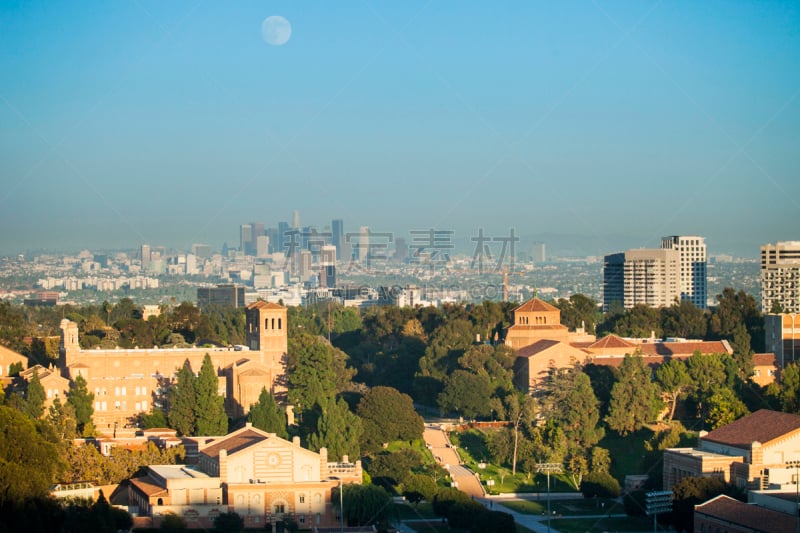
(566, 507)
(582, 525)
(472, 450)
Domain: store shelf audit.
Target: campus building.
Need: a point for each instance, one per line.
(262, 477)
(752, 453)
(780, 277)
(128, 382)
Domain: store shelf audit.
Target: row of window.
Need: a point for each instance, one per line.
(120, 391)
(100, 406)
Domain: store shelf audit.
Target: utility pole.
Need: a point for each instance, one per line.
(548, 468)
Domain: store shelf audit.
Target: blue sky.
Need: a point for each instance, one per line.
(174, 122)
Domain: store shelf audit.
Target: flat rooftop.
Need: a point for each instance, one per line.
(177, 472)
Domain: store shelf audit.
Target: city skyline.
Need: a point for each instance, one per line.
(612, 124)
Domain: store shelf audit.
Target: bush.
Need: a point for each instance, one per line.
(446, 498)
(600, 484)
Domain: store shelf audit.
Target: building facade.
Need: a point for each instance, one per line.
(225, 294)
(648, 277)
(780, 277)
(782, 337)
(128, 382)
(693, 266)
(256, 474)
(751, 453)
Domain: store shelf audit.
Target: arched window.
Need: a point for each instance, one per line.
(160, 501)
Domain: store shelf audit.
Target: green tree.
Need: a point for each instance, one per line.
(363, 504)
(724, 407)
(674, 381)
(182, 399)
(734, 308)
(229, 523)
(691, 491)
(787, 390)
(707, 373)
(466, 393)
(154, 419)
(266, 415)
(600, 460)
(34, 397)
(210, 417)
(311, 373)
(81, 401)
(520, 410)
(579, 311)
(28, 463)
(600, 485)
(393, 468)
(386, 415)
(418, 487)
(634, 398)
(742, 351)
(684, 319)
(338, 430)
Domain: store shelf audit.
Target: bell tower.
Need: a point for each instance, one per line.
(267, 332)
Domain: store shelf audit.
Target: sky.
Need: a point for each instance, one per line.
(617, 123)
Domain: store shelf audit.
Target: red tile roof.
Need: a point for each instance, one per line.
(751, 516)
(612, 341)
(147, 486)
(763, 426)
(537, 306)
(264, 305)
(764, 359)
(235, 442)
(684, 348)
(536, 347)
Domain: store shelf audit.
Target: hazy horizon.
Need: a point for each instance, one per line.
(615, 123)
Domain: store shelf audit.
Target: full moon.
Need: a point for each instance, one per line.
(276, 30)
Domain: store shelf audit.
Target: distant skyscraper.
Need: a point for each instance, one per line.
(327, 266)
(245, 237)
(649, 277)
(538, 253)
(283, 229)
(305, 264)
(337, 239)
(225, 295)
(296, 219)
(145, 256)
(363, 244)
(400, 250)
(262, 246)
(694, 261)
(203, 251)
(780, 276)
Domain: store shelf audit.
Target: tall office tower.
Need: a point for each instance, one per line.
(400, 250)
(225, 294)
(262, 246)
(327, 266)
(203, 251)
(245, 237)
(780, 277)
(538, 254)
(649, 277)
(145, 255)
(337, 236)
(272, 233)
(259, 229)
(694, 261)
(306, 262)
(283, 239)
(363, 244)
(296, 218)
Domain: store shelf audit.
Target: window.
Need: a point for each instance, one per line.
(279, 508)
(302, 498)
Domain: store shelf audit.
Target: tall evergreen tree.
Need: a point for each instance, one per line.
(81, 401)
(209, 414)
(34, 398)
(267, 416)
(634, 398)
(182, 402)
(674, 381)
(338, 430)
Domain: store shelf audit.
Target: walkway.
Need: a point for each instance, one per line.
(444, 453)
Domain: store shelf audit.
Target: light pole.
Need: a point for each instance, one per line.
(796, 466)
(341, 504)
(548, 468)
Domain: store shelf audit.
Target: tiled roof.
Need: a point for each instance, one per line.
(764, 359)
(536, 347)
(684, 348)
(531, 327)
(747, 515)
(147, 486)
(264, 305)
(616, 360)
(235, 442)
(612, 341)
(762, 426)
(536, 305)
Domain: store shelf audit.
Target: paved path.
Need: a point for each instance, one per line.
(444, 453)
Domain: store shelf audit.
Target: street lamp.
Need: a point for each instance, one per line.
(796, 466)
(548, 468)
(341, 504)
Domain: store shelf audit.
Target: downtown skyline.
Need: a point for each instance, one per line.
(614, 123)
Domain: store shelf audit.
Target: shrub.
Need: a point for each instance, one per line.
(600, 484)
